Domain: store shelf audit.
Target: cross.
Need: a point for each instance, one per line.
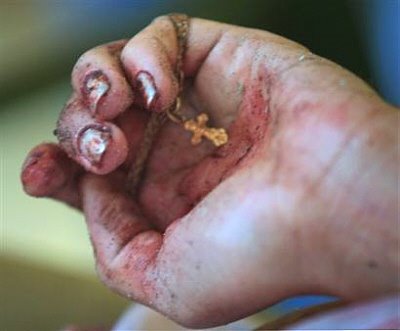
(198, 127)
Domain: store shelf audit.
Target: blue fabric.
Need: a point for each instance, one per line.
(298, 302)
(383, 39)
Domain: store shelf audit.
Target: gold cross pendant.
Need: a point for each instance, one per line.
(199, 129)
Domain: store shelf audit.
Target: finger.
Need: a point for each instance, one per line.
(48, 172)
(123, 241)
(99, 79)
(149, 58)
(100, 147)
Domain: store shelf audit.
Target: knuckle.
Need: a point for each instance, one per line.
(84, 58)
(125, 52)
(160, 19)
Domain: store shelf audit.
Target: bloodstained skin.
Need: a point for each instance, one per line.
(42, 173)
(271, 149)
(73, 121)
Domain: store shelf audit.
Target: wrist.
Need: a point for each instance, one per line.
(354, 241)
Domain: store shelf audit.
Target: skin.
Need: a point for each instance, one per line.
(302, 199)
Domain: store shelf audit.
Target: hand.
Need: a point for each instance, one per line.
(301, 200)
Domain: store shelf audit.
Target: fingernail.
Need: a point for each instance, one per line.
(93, 142)
(147, 88)
(96, 86)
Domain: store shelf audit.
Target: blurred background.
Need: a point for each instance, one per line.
(47, 276)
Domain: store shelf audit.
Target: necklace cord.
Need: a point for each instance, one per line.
(157, 120)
